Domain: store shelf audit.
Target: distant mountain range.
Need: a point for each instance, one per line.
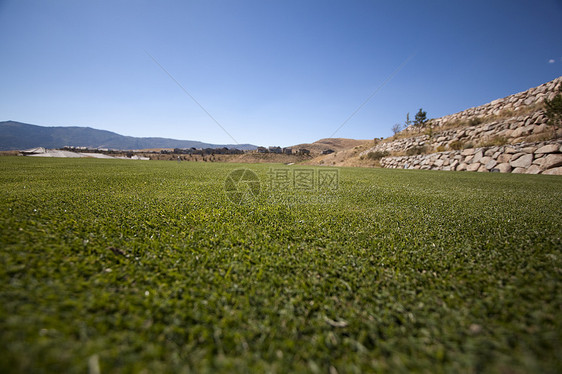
(19, 136)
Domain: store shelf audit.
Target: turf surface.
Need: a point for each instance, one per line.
(139, 266)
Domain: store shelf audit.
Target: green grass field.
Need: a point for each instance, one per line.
(148, 267)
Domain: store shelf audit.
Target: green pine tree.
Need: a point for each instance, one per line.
(421, 118)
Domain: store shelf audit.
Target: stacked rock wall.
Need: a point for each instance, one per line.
(512, 103)
(511, 130)
(507, 135)
(528, 158)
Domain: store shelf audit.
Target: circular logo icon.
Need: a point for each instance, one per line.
(241, 186)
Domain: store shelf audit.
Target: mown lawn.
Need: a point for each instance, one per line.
(148, 267)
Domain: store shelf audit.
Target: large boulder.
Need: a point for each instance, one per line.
(520, 131)
(485, 160)
(461, 167)
(529, 149)
(482, 169)
(477, 156)
(504, 167)
(522, 162)
(540, 128)
(490, 164)
(551, 161)
(504, 157)
(516, 156)
(554, 171)
(533, 169)
(549, 148)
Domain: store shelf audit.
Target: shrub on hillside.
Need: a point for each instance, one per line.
(377, 155)
(396, 128)
(429, 131)
(495, 141)
(554, 112)
(418, 150)
(456, 145)
(475, 121)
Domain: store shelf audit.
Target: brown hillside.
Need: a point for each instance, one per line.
(336, 144)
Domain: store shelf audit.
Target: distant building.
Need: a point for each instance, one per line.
(288, 151)
(262, 150)
(304, 152)
(275, 150)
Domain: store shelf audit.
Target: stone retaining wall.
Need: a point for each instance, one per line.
(514, 103)
(509, 135)
(477, 126)
(510, 130)
(528, 158)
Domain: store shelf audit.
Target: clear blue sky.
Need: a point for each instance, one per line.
(270, 72)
